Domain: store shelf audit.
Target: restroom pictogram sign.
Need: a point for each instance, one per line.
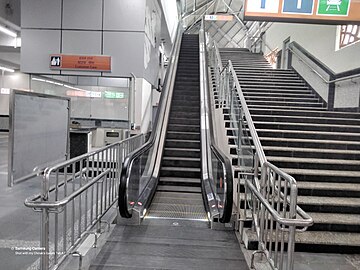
(80, 62)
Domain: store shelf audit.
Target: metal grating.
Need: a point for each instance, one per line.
(172, 205)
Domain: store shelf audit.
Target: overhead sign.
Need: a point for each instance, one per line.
(307, 11)
(219, 17)
(80, 62)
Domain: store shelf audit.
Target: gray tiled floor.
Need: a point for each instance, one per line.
(19, 226)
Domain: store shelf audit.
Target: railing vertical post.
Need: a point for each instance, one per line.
(292, 229)
(44, 259)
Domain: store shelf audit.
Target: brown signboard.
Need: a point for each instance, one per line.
(80, 62)
(304, 11)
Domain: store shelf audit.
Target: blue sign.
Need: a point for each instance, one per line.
(263, 2)
(298, 6)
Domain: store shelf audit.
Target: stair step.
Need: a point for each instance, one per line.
(313, 175)
(307, 113)
(180, 172)
(195, 136)
(312, 143)
(335, 222)
(181, 162)
(318, 242)
(306, 119)
(308, 134)
(179, 181)
(171, 143)
(177, 188)
(182, 152)
(315, 163)
(311, 152)
(308, 126)
(329, 204)
(328, 189)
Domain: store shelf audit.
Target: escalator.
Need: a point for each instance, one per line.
(179, 173)
(178, 183)
(178, 194)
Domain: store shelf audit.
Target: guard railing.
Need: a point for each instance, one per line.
(76, 194)
(270, 197)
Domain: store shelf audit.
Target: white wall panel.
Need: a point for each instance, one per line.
(81, 42)
(319, 40)
(127, 53)
(41, 14)
(36, 48)
(124, 15)
(82, 14)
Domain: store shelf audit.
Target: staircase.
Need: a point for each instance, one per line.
(178, 194)
(319, 148)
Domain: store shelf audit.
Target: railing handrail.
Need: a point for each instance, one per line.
(32, 202)
(335, 77)
(207, 123)
(305, 221)
(86, 155)
(256, 141)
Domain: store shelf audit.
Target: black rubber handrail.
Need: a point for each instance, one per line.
(219, 154)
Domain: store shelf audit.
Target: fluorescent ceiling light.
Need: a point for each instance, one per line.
(7, 31)
(7, 69)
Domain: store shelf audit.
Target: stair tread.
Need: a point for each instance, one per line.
(309, 140)
(329, 186)
(307, 132)
(329, 201)
(184, 169)
(305, 124)
(178, 188)
(181, 158)
(314, 160)
(320, 150)
(292, 171)
(325, 112)
(335, 218)
(320, 237)
(179, 179)
(302, 117)
(182, 140)
(183, 149)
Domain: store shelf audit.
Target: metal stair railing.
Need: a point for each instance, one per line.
(76, 194)
(217, 180)
(270, 197)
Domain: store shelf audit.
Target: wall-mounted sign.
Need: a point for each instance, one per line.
(114, 95)
(219, 17)
(304, 11)
(80, 62)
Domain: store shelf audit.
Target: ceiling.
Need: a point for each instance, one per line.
(233, 33)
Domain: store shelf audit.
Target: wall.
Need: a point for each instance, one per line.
(171, 16)
(96, 27)
(15, 80)
(143, 108)
(319, 40)
(10, 10)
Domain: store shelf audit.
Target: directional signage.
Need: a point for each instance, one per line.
(219, 17)
(80, 62)
(298, 6)
(263, 6)
(334, 7)
(304, 11)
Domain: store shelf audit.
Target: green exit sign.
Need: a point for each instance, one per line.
(114, 95)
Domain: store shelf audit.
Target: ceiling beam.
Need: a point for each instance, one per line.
(225, 35)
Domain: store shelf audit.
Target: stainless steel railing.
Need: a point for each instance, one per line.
(270, 197)
(217, 180)
(75, 196)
